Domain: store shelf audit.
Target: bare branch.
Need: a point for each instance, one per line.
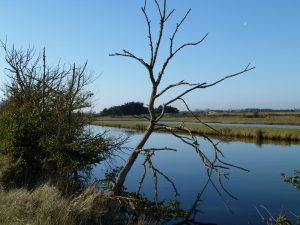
(158, 8)
(161, 114)
(235, 166)
(176, 85)
(157, 149)
(192, 141)
(246, 69)
(183, 94)
(161, 29)
(224, 189)
(197, 118)
(172, 54)
(204, 85)
(143, 176)
(149, 31)
(193, 211)
(156, 171)
(169, 15)
(170, 181)
(148, 154)
(176, 30)
(130, 55)
(190, 44)
(145, 5)
(209, 174)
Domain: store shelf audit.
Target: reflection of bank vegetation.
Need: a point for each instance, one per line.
(254, 134)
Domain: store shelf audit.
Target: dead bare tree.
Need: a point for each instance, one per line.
(216, 164)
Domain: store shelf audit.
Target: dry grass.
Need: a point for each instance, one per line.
(46, 206)
(235, 118)
(43, 206)
(255, 133)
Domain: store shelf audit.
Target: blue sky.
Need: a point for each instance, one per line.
(263, 32)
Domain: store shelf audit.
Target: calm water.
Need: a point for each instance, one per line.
(262, 186)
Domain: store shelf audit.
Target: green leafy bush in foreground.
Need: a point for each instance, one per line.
(43, 131)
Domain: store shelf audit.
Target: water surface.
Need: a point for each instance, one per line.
(262, 186)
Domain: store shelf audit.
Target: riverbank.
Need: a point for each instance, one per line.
(239, 132)
(237, 118)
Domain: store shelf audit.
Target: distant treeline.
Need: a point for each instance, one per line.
(134, 108)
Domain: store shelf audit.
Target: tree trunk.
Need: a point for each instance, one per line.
(125, 170)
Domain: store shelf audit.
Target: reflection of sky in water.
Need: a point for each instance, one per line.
(262, 186)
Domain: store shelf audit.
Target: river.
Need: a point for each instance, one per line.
(262, 188)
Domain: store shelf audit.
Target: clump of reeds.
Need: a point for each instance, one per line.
(46, 206)
(259, 134)
(140, 127)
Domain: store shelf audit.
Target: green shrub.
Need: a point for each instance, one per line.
(43, 131)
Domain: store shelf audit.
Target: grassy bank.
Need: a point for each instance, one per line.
(256, 133)
(279, 119)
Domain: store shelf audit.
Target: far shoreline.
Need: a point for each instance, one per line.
(120, 119)
(256, 134)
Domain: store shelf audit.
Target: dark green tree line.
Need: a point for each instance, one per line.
(134, 108)
(130, 108)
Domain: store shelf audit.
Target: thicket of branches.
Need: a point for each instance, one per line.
(43, 135)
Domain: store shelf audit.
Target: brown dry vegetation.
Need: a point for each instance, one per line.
(286, 118)
(46, 206)
(257, 133)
